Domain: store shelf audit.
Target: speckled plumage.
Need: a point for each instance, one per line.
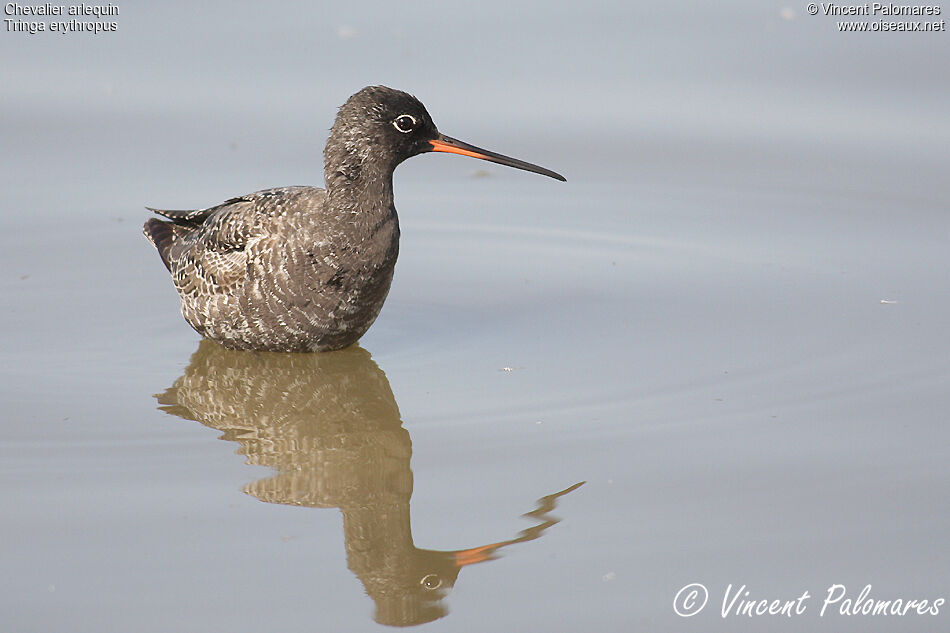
(300, 269)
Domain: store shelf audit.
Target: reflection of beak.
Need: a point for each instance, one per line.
(474, 555)
(454, 146)
(477, 554)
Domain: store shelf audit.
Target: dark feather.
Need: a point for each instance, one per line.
(193, 216)
(161, 235)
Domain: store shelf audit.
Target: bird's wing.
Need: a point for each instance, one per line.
(190, 216)
(212, 240)
(228, 226)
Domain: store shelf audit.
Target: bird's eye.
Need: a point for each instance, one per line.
(405, 123)
(431, 581)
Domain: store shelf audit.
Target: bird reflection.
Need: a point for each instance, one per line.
(329, 424)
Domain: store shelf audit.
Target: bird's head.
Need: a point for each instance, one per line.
(378, 128)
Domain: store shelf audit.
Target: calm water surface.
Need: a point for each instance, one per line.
(730, 324)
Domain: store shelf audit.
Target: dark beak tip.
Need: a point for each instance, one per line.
(553, 174)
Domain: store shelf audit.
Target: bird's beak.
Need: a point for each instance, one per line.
(454, 146)
(477, 554)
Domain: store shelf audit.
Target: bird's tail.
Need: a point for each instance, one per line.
(161, 235)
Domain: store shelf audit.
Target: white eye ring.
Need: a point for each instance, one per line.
(431, 581)
(400, 124)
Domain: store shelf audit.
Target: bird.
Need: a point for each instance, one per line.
(303, 268)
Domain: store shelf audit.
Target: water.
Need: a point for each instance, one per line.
(730, 323)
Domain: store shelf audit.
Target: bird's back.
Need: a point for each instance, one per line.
(272, 270)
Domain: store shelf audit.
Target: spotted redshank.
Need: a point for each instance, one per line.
(302, 269)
